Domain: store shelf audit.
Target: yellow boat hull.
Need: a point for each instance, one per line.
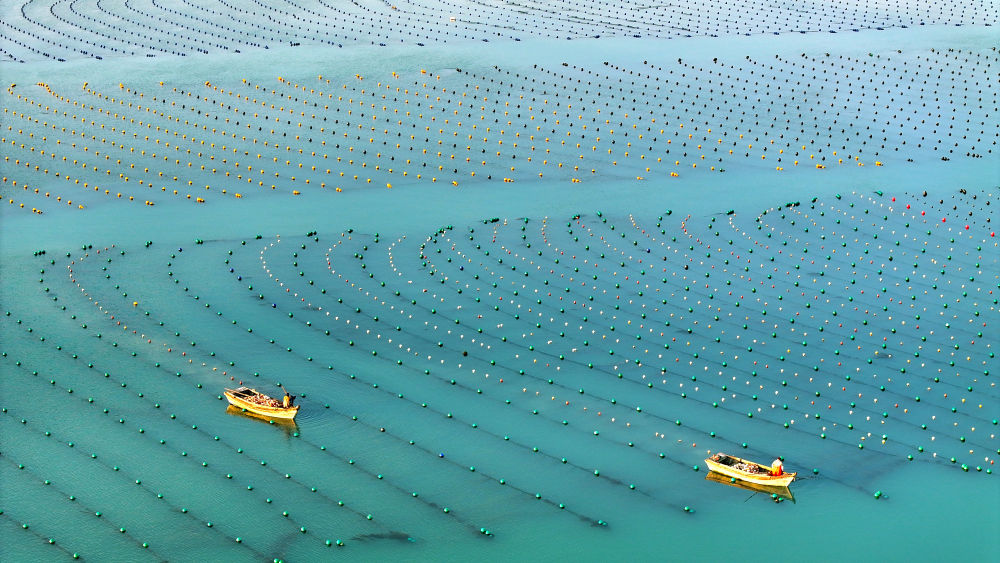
(761, 478)
(273, 412)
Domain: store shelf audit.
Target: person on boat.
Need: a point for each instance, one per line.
(776, 469)
(287, 401)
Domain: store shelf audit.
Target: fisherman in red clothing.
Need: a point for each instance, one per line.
(776, 469)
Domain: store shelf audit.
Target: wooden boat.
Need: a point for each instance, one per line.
(777, 493)
(746, 470)
(256, 402)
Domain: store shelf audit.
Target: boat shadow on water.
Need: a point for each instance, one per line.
(776, 494)
(285, 424)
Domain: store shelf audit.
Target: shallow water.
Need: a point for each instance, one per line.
(545, 360)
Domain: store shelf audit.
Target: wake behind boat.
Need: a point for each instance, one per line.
(256, 402)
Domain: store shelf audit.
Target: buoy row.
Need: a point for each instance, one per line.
(507, 126)
(257, 487)
(596, 348)
(73, 272)
(300, 298)
(70, 33)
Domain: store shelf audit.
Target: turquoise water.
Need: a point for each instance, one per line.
(528, 350)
